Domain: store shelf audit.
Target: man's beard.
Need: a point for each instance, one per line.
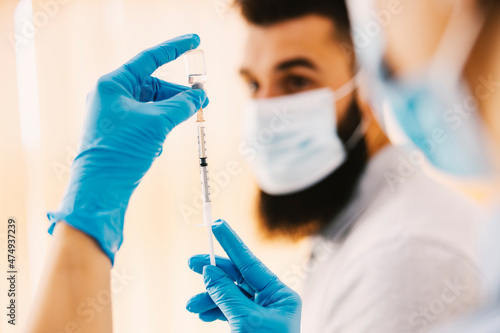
(308, 212)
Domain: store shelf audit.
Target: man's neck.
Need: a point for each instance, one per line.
(375, 139)
(483, 74)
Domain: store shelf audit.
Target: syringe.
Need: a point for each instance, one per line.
(195, 67)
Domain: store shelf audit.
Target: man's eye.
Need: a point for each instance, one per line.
(297, 83)
(253, 86)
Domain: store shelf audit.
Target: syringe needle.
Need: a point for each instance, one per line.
(199, 116)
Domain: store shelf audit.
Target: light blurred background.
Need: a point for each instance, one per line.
(51, 54)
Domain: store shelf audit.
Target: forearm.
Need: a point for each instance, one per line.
(74, 293)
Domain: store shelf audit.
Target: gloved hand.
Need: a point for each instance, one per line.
(129, 114)
(258, 302)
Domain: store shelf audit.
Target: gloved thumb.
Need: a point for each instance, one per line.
(183, 105)
(225, 294)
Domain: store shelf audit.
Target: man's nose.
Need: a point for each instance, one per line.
(268, 91)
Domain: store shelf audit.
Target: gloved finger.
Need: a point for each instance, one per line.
(203, 302)
(197, 262)
(212, 315)
(252, 269)
(182, 106)
(225, 294)
(153, 90)
(145, 63)
(200, 303)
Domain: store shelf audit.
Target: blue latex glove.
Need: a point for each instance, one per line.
(129, 114)
(242, 290)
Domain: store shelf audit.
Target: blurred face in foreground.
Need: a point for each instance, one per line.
(455, 44)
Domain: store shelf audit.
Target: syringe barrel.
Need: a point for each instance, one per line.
(202, 148)
(202, 151)
(205, 184)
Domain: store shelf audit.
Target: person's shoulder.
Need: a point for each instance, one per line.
(429, 195)
(423, 210)
(422, 203)
(412, 257)
(405, 273)
(408, 193)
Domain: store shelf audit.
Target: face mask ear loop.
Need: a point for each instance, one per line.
(462, 29)
(347, 88)
(357, 135)
(363, 125)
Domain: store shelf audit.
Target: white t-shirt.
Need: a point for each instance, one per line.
(485, 319)
(400, 258)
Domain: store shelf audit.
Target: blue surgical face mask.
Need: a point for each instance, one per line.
(294, 139)
(433, 107)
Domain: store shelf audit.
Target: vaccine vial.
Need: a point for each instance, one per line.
(195, 68)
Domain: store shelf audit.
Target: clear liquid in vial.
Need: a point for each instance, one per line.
(197, 78)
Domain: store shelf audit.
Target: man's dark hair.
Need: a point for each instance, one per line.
(269, 12)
